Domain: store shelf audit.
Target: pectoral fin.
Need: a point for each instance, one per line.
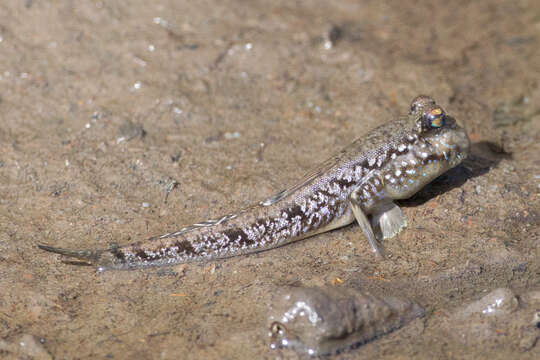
(364, 223)
(389, 220)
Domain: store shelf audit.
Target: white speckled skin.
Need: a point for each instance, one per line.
(393, 161)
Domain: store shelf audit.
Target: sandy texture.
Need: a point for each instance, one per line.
(123, 120)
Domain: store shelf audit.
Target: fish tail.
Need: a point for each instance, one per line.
(92, 256)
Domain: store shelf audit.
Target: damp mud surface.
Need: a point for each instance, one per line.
(120, 121)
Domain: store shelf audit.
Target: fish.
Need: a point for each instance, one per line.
(360, 183)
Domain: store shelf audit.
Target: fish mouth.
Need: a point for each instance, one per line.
(454, 144)
(462, 145)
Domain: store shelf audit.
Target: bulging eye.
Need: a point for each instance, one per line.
(277, 328)
(435, 118)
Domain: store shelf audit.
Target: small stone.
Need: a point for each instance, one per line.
(500, 301)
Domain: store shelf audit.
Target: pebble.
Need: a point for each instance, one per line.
(500, 301)
(25, 346)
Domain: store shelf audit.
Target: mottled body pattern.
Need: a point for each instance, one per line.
(391, 162)
(327, 320)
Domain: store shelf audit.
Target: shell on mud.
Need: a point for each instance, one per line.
(327, 320)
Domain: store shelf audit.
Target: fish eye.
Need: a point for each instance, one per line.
(277, 328)
(435, 118)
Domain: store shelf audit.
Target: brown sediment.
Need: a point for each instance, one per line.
(72, 72)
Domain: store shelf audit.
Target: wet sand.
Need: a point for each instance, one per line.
(124, 121)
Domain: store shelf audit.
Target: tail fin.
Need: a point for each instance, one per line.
(91, 256)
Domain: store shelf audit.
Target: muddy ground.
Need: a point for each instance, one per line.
(123, 120)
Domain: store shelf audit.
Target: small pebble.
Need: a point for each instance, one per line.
(500, 301)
